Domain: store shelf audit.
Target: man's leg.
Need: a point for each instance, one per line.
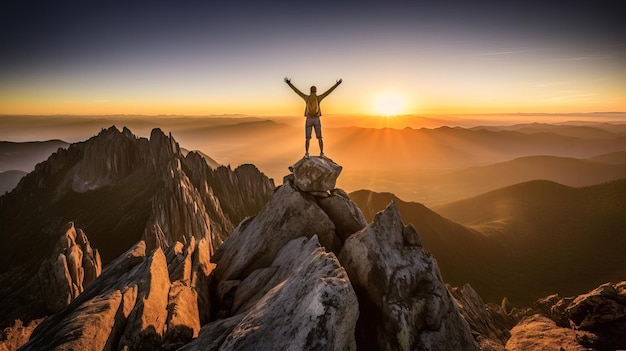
(318, 134)
(307, 136)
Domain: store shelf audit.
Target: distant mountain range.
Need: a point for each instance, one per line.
(523, 241)
(429, 165)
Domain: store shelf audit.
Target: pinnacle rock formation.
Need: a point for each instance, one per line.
(404, 302)
(72, 266)
(133, 305)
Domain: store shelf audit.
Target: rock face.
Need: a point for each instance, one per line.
(305, 273)
(539, 333)
(302, 301)
(131, 306)
(405, 305)
(72, 266)
(599, 316)
(278, 281)
(315, 174)
(120, 189)
(489, 323)
(255, 243)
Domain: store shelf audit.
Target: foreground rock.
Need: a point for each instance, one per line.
(489, 323)
(72, 266)
(599, 316)
(302, 301)
(539, 333)
(404, 303)
(131, 306)
(11, 338)
(255, 242)
(315, 174)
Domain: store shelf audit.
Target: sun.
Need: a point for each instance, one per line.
(388, 104)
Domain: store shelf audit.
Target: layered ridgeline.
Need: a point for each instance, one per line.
(524, 241)
(118, 189)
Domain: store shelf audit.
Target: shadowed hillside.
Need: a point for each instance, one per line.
(536, 238)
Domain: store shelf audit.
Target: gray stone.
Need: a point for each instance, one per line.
(255, 242)
(307, 303)
(315, 174)
(346, 216)
(405, 305)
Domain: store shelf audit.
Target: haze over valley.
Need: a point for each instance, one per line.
(431, 165)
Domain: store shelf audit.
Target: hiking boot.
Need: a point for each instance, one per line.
(306, 155)
(322, 154)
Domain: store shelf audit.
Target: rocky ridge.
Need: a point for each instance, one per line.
(306, 272)
(290, 277)
(119, 189)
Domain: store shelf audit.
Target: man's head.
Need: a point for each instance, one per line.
(313, 89)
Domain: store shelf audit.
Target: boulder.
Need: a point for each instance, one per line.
(539, 333)
(256, 241)
(304, 301)
(315, 174)
(346, 216)
(404, 303)
(601, 311)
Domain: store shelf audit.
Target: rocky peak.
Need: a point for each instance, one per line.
(120, 189)
(72, 266)
(405, 304)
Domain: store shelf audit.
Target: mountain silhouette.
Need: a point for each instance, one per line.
(523, 241)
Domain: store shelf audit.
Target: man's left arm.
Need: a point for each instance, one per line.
(330, 90)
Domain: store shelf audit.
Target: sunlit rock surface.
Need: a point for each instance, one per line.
(315, 174)
(72, 266)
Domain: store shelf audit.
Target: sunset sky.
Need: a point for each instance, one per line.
(230, 57)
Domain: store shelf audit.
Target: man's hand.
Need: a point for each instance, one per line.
(287, 80)
(339, 81)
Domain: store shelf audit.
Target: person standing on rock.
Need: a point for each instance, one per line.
(312, 112)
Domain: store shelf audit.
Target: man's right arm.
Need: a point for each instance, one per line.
(288, 81)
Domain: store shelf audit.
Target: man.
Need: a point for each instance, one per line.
(312, 112)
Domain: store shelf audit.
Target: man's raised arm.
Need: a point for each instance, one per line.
(330, 90)
(288, 81)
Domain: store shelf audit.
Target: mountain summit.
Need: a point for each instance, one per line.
(119, 189)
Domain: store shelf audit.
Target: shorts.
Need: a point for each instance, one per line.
(313, 122)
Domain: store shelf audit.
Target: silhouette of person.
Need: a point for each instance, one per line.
(312, 112)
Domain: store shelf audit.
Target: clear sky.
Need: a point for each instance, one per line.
(230, 57)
